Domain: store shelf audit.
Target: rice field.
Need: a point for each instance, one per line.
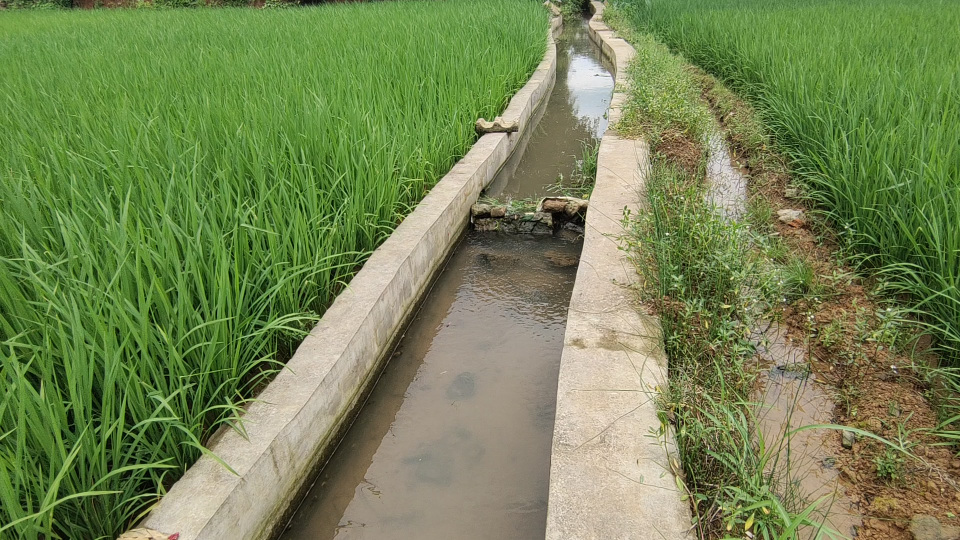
(182, 193)
(864, 97)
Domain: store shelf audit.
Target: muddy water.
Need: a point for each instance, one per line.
(574, 114)
(789, 395)
(454, 441)
(728, 186)
(791, 398)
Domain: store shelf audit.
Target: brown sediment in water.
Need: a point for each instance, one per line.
(791, 398)
(453, 440)
(789, 394)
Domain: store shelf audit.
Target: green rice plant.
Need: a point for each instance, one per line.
(799, 278)
(584, 175)
(863, 97)
(182, 193)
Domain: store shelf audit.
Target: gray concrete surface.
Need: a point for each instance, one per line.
(296, 419)
(610, 476)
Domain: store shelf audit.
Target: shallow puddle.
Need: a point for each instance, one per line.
(454, 442)
(728, 186)
(791, 398)
(789, 395)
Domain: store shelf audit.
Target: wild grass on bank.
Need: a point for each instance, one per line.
(182, 193)
(712, 286)
(712, 283)
(864, 99)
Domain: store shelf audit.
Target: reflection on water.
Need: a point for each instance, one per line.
(575, 113)
(454, 442)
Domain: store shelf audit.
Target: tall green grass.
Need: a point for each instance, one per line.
(181, 194)
(864, 97)
(712, 284)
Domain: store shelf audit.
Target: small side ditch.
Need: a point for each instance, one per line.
(801, 398)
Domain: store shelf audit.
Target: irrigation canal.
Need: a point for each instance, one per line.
(454, 441)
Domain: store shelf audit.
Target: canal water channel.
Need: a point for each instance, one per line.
(454, 440)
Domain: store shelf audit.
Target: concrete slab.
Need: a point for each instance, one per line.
(610, 476)
(297, 419)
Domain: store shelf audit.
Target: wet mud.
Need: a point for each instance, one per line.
(728, 186)
(790, 398)
(789, 395)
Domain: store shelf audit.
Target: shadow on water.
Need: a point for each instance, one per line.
(454, 441)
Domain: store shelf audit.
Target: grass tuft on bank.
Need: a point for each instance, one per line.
(182, 193)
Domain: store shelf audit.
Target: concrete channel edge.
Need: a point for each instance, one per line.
(298, 418)
(610, 473)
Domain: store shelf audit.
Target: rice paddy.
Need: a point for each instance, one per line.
(864, 97)
(182, 193)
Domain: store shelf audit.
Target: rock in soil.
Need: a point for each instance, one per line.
(924, 527)
(498, 211)
(794, 218)
(847, 438)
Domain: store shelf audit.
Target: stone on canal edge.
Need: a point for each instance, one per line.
(575, 207)
(498, 211)
(553, 205)
(480, 210)
(544, 218)
(498, 125)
